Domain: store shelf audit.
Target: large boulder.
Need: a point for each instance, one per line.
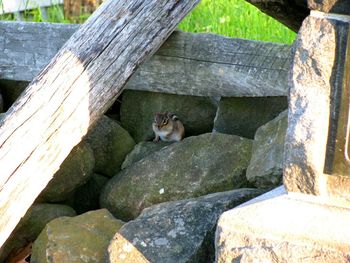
(30, 227)
(110, 143)
(86, 197)
(141, 150)
(138, 108)
(266, 166)
(175, 232)
(193, 167)
(83, 238)
(75, 171)
(316, 148)
(243, 116)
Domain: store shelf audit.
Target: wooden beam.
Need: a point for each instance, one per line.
(187, 64)
(79, 84)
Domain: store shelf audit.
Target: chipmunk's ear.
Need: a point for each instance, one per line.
(173, 116)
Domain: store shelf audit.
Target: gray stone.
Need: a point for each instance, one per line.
(110, 143)
(280, 227)
(243, 116)
(86, 197)
(75, 171)
(175, 232)
(31, 225)
(193, 167)
(138, 108)
(314, 113)
(83, 238)
(330, 6)
(265, 169)
(141, 150)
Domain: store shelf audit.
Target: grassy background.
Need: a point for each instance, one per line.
(236, 18)
(232, 18)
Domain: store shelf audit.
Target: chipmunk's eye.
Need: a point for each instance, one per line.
(165, 122)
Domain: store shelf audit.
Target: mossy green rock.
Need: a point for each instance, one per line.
(243, 116)
(141, 150)
(266, 166)
(31, 225)
(110, 143)
(80, 239)
(75, 171)
(138, 108)
(193, 167)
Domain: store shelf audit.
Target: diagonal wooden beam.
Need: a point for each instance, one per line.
(72, 92)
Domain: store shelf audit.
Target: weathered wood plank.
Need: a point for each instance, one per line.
(187, 64)
(79, 84)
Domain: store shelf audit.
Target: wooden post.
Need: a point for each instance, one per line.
(72, 92)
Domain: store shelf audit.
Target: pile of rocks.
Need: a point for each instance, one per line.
(142, 201)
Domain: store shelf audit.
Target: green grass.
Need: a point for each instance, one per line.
(236, 18)
(232, 18)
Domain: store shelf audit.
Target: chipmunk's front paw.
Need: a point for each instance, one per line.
(157, 139)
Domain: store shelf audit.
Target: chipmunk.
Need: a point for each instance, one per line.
(167, 127)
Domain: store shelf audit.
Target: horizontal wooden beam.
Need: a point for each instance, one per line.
(187, 64)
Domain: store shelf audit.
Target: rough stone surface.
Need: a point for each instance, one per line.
(330, 6)
(316, 84)
(265, 169)
(193, 167)
(141, 150)
(86, 197)
(110, 143)
(175, 232)
(138, 108)
(31, 225)
(76, 170)
(281, 227)
(83, 238)
(291, 13)
(243, 116)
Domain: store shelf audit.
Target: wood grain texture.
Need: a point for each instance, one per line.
(187, 64)
(79, 84)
